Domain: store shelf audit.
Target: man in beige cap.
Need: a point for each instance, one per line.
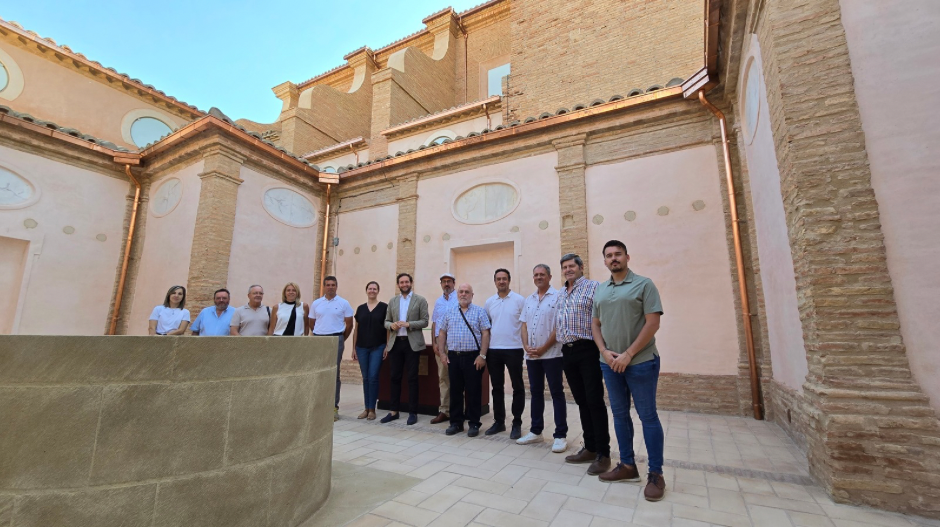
(446, 302)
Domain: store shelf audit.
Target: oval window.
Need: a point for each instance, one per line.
(751, 101)
(4, 77)
(329, 170)
(290, 207)
(148, 130)
(14, 190)
(166, 197)
(486, 202)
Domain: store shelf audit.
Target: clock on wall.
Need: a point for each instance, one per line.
(166, 197)
(15, 191)
(289, 207)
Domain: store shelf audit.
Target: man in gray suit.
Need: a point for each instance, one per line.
(406, 318)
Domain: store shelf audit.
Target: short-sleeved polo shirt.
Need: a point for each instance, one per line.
(330, 315)
(210, 324)
(622, 308)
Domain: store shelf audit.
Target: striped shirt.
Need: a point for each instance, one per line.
(574, 315)
(459, 337)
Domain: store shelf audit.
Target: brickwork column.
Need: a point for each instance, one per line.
(572, 198)
(382, 87)
(215, 225)
(407, 223)
(871, 436)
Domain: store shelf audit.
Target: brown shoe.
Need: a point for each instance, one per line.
(371, 415)
(583, 456)
(364, 414)
(655, 487)
(621, 472)
(441, 418)
(599, 466)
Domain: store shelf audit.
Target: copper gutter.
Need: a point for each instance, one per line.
(434, 117)
(326, 232)
(332, 148)
(739, 259)
(674, 92)
(127, 252)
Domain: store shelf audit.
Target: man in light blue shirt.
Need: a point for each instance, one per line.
(214, 321)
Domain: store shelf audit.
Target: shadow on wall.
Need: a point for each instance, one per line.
(165, 431)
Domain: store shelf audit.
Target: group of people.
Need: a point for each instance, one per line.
(593, 333)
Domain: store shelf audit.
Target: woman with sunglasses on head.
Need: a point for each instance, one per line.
(289, 318)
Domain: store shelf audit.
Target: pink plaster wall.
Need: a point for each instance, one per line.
(537, 182)
(685, 253)
(266, 251)
(168, 242)
(785, 332)
(894, 49)
(88, 105)
(363, 229)
(70, 274)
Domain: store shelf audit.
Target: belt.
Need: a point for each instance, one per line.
(574, 343)
(401, 338)
(464, 351)
(327, 334)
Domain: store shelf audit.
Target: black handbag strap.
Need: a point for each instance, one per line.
(472, 334)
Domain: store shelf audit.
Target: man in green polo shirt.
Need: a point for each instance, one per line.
(625, 317)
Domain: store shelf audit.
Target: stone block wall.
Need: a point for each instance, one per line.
(164, 431)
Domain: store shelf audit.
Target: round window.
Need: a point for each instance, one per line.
(14, 190)
(439, 140)
(290, 207)
(148, 130)
(328, 170)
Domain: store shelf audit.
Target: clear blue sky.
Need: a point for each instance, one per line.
(227, 54)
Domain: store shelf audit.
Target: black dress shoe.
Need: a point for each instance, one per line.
(473, 432)
(389, 418)
(412, 419)
(516, 432)
(495, 429)
(455, 429)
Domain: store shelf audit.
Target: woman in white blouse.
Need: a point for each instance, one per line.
(290, 317)
(171, 318)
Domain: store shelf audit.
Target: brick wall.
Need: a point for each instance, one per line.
(569, 52)
(871, 436)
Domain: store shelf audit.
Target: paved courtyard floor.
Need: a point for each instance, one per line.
(719, 471)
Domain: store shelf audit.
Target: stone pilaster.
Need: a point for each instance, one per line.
(871, 436)
(288, 93)
(407, 223)
(572, 198)
(215, 225)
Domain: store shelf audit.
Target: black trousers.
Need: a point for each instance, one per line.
(465, 376)
(583, 371)
(497, 361)
(403, 359)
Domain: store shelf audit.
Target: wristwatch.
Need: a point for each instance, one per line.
(482, 356)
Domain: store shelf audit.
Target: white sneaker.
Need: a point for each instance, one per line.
(529, 439)
(560, 445)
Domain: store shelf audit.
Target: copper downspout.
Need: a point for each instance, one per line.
(739, 259)
(326, 231)
(127, 252)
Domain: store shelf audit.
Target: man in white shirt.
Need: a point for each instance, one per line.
(331, 316)
(446, 302)
(505, 351)
(543, 359)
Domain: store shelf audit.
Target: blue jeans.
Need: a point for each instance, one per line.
(639, 381)
(551, 369)
(370, 362)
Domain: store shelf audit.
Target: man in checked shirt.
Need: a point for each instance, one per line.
(581, 360)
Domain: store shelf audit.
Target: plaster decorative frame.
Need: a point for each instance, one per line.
(452, 245)
(18, 172)
(16, 81)
(32, 254)
(130, 117)
(479, 183)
